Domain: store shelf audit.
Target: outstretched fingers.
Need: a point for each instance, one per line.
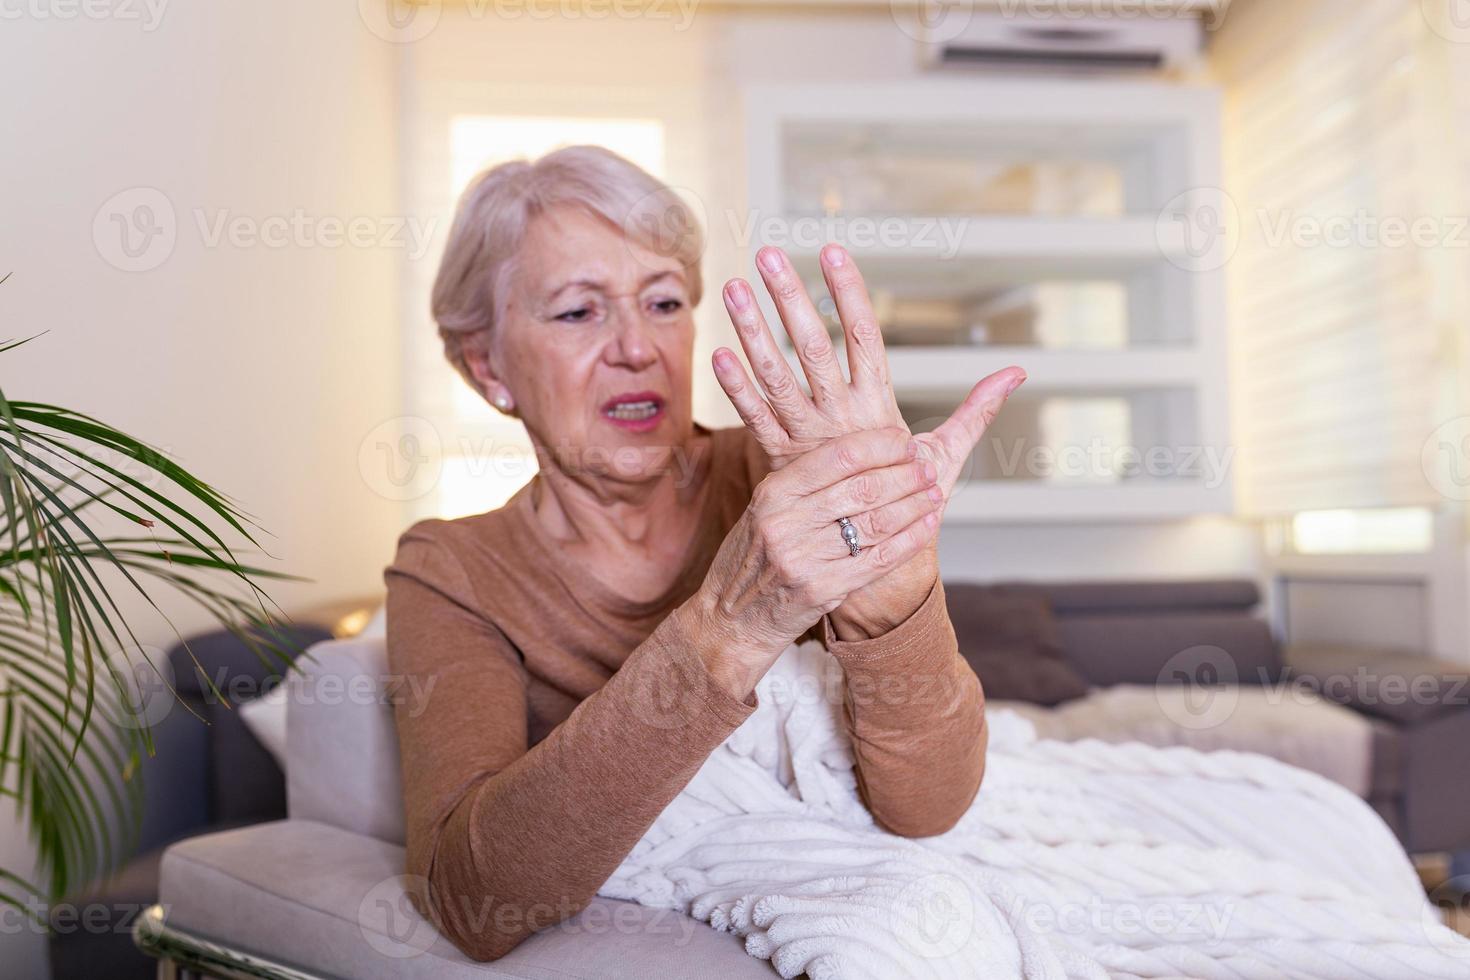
(961, 432)
(804, 325)
(867, 361)
(789, 402)
(752, 408)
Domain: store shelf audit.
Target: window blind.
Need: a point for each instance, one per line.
(1338, 313)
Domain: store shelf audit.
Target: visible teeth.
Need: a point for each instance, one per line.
(633, 411)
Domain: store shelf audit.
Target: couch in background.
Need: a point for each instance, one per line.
(206, 776)
(320, 894)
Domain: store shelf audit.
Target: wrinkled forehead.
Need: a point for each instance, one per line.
(567, 248)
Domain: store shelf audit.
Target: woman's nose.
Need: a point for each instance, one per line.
(632, 343)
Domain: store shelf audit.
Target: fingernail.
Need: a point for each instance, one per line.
(834, 255)
(770, 259)
(931, 519)
(936, 494)
(722, 357)
(1015, 384)
(913, 448)
(737, 294)
(930, 473)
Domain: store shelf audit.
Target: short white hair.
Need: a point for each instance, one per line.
(496, 209)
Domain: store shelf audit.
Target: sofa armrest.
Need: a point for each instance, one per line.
(321, 901)
(1405, 689)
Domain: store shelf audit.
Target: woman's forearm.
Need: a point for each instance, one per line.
(529, 846)
(916, 714)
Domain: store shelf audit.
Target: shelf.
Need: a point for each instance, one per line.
(941, 370)
(1021, 502)
(943, 251)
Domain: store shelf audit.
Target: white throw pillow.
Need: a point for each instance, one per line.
(265, 716)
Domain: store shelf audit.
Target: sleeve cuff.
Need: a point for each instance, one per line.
(923, 631)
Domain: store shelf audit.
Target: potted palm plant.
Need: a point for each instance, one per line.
(87, 514)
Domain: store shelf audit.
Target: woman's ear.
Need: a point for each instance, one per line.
(477, 359)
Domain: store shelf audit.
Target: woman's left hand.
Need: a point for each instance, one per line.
(787, 423)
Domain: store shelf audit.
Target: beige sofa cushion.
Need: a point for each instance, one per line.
(1286, 723)
(331, 903)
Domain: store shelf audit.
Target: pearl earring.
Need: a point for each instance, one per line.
(502, 403)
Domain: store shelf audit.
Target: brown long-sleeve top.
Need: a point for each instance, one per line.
(555, 720)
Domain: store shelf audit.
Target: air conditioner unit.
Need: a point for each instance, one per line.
(1051, 37)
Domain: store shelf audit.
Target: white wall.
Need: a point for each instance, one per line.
(690, 73)
(260, 368)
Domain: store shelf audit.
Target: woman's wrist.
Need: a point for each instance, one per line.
(885, 605)
(716, 638)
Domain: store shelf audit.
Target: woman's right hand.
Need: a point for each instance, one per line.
(784, 564)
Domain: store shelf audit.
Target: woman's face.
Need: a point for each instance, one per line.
(596, 349)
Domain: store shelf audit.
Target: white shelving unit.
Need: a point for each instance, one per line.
(1021, 196)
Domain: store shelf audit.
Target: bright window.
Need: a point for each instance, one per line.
(1395, 530)
(490, 457)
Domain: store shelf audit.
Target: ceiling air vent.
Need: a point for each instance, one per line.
(996, 39)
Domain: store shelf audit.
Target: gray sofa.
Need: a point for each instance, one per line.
(320, 894)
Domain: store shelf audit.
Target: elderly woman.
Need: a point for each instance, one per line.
(587, 645)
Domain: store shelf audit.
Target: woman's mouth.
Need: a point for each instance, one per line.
(640, 411)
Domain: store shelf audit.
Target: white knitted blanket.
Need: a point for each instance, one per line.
(1077, 860)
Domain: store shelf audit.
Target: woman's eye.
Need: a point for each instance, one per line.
(669, 305)
(575, 316)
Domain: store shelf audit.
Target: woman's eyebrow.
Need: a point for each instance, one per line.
(573, 284)
(601, 286)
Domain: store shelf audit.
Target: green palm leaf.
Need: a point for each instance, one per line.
(67, 481)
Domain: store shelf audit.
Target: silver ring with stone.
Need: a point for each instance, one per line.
(850, 535)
